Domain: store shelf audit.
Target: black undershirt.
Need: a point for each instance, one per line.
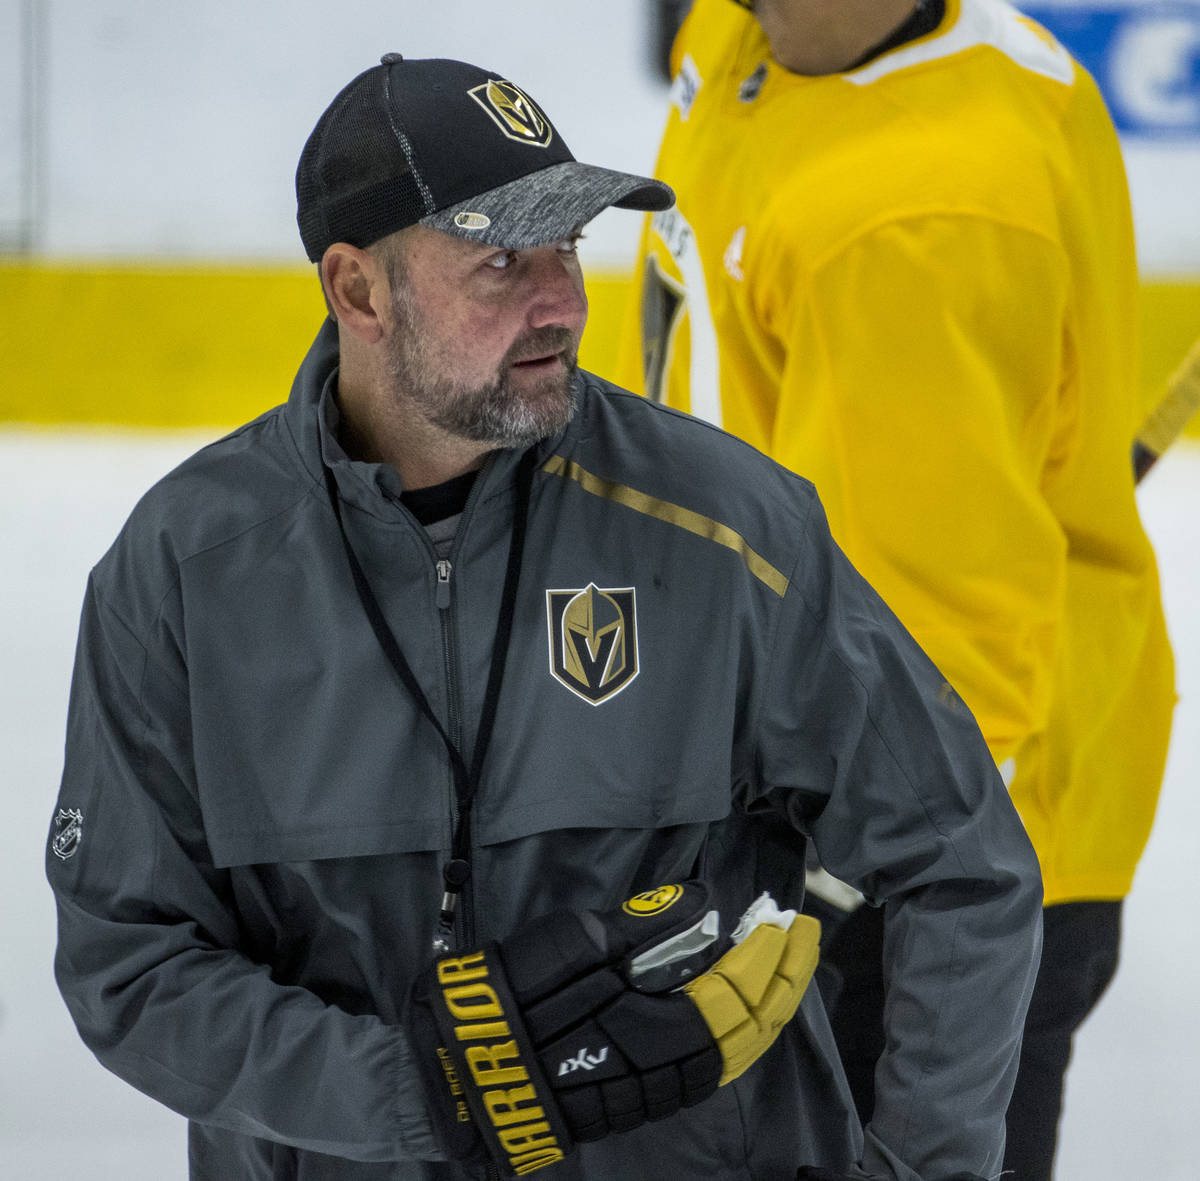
(436, 503)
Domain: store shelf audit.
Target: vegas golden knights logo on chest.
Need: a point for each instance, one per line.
(593, 640)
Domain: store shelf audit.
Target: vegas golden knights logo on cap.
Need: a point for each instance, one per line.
(514, 112)
(593, 640)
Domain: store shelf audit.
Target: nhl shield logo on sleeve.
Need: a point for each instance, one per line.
(68, 832)
(593, 640)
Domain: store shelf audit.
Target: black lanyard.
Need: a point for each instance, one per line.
(457, 870)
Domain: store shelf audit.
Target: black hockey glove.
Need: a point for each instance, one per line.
(586, 1023)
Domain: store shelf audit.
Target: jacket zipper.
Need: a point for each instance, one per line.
(444, 599)
(444, 570)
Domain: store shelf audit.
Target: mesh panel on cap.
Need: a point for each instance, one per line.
(354, 183)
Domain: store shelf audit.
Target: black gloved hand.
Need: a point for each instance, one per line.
(562, 1033)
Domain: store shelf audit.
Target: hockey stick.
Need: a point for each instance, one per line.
(1165, 423)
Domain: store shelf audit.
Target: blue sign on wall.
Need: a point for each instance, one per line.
(1144, 56)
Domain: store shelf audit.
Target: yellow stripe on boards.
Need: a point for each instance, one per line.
(189, 345)
(167, 346)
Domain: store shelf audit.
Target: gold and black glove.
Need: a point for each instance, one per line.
(586, 1023)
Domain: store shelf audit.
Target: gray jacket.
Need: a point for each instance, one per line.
(248, 843)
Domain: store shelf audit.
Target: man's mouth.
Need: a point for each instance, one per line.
(538, 363)
(541, 352)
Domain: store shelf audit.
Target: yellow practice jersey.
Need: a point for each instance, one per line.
(914, 284)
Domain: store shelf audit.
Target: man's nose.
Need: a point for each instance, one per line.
(558, 295)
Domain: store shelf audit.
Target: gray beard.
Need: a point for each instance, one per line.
(496, 413)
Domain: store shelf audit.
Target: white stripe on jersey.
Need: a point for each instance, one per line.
(980, 22)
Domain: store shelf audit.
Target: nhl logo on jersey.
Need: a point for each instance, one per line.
(514, 112)
(752, 87)
(68, 832)
(593, 640)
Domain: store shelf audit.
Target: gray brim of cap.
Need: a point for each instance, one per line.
(548, 205)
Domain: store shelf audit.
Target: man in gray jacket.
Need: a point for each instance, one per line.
(384, 703)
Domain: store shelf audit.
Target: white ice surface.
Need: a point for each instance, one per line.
(1132, 1095)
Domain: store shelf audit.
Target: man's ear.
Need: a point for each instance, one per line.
(356, 288)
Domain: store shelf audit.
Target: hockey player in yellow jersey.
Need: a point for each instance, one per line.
(902, 263)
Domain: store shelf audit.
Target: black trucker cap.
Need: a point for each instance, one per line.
(454, 147)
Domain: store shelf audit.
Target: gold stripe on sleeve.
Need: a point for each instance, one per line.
(673, 514)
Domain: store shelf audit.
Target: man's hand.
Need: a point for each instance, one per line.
(586, 1023)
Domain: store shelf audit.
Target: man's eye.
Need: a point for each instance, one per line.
(501, 262)
(570, 245)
